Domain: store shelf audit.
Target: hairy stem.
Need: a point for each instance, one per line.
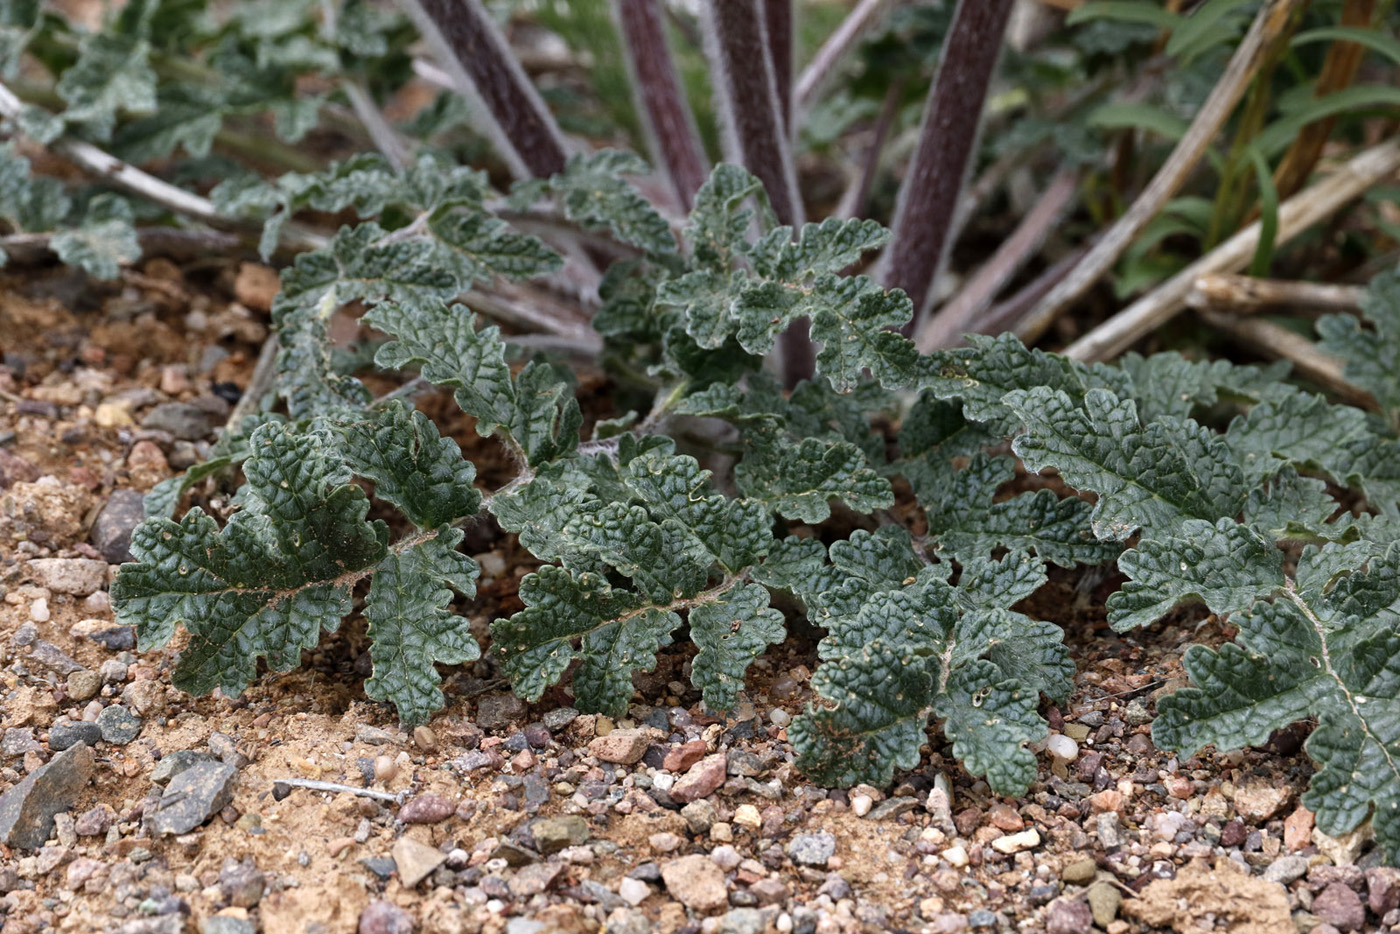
(777, 26)
(483, 69)
(928, 197)
(833, 50)
(670, 126)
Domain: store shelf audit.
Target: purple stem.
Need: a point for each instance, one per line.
(670, 125)
(475, 53)
(777, 22)
(928, 197)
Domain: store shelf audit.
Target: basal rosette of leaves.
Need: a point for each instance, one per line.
(641, 545)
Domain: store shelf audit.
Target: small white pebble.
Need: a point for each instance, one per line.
(385, 769)
(662, 781)
(860, 805)
(956, 856)
(39, 610)
(779, 717)
(1062, 747)
(726, 857)
(633, 891)
(784, 923)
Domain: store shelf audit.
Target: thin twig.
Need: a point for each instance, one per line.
(856, 197)
(930, 193)
(1247, 295)
(1171, 176)
(385, 138)
(1277, 341)
(129, 178)
(835, 48)
(947, 326)
(175, 241)
(335, 787)
(1295, 215)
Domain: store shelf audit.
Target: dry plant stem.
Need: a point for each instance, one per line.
(482, 68)
(669, 123)
(1271, 21)
(260, 384)
(856, 197)
(179, 243)
(1118, 333)
(523, 307)
(131, 179)
(945, 328)
(1339, 70)
(385, 138)
(833, 50)
(314, 785)
(1245, 295)
(929, 195)
(777, 26)
(1308, 362)
(1004, 315)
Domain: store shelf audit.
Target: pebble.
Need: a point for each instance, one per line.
(559, 718)
(498, 711)
(1062, 747)
(426, 808)
(374, 736)
(742, 921)
(1286, 869)
(1069, 916)
(1383, 889)
(1016, 842)
(27, 810)
(194, 796)
(664, 842)
(699, 816)
(1080, 872)
(223, 924)
(861, 805)
(682, 757)
(182, 419)
(1104, 902)
(111, 531)
(1340, 907)
(747, 816)
(172, 764)
(66, 733)
(39, 610)
(95, 821)
(696, 882)
(381, 917)
(84, 684)
(76, 576)
(633, 891)
(955, 856)
(415, 861)
(623, 747)
(726, 857)
(241, 883)
(812, 849)
(553, 834)
(1258, 801)
(145, 697)
(702, 780)
(118, 726)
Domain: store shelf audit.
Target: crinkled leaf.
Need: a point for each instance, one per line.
(1290, 506)
(280, 571)
(422, 474)
(410, 626)
(618, 632)
(800, 480)
(797, 565)
(592, 191)
(730, 633)
(1309, 653)
(1149, 477)
(990, 720)
(1225, 565)
(965, 521)
(1169, 384)
(884, 557)
(1298, 429)
(104, 242)
(112, 74)
(1372, 356)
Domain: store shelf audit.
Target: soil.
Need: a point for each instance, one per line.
(1116, 836)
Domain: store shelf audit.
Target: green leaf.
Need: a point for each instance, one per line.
(990, 720)
(592, 191)
(1124, 11)
(1310, 653)
(1298, 429)
(965, 521)
(418, 472)
(1224, 565)
(1373, 39)
(410, 627)
(797, 565)
(730, 633)
(1290, 506)
(885, 557)
(799, 481)
(104, 241)
(617, 632)
(1146, 478)
(280, 571)
(1169, 384)
(112, 74)
(1372, 356)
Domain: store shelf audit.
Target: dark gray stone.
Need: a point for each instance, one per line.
(174, 763)
(241, 883)
(220, 924)
(116, 639)
(66, 733)
(194, 796)
(27, 809)
(181, 419)
(553, 834)
(497, 711)
(18, 740)
(118, 725)
(53, 658)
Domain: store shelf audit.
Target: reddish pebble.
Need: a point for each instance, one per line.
(426, 808)
(1004, 817)
(683, 757)
(703, 779)
(1297, 828)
